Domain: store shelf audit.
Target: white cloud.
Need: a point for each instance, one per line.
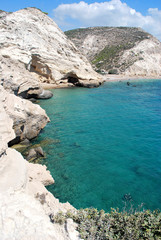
(111, 13)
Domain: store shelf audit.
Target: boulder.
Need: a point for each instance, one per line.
(31, 154)
(15, 78)
(35, 153)
(45, 94)
(39, 152)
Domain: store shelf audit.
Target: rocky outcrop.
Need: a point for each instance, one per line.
(28, 119)
(34, 50)
(23, 218)
(25, 203)
(119, 50)
(146, 59)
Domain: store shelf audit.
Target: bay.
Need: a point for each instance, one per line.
(103, 145)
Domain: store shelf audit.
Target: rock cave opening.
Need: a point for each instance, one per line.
(72, 78)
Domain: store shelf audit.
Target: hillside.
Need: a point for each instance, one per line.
(32, 43)
(124, 50)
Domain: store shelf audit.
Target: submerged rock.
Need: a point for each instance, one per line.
(35, 153)
(127, 197)
(39, 152)
(31, 154)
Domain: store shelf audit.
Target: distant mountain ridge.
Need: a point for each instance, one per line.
(123, 50)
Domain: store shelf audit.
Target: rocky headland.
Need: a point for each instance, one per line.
(33, 52)
(127, 51)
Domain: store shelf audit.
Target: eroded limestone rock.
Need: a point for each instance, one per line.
(28, 118)
(34, 50)
(25, 203)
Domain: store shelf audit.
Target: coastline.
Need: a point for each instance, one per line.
(45, 54)
(115, 78)
(116, 89)
(31, 188)
(106, 78)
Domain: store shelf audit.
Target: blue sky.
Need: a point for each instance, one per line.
(73, 14)
(48, 5)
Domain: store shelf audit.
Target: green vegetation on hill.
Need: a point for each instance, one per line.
(136, 33)
(98, 225)
(75, 32)
(104, 46)
(108, 58)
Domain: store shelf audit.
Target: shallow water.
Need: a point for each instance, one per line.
(104, 143)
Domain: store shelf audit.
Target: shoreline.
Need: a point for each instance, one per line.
(106, 78)
(116, 78)
(123, 83)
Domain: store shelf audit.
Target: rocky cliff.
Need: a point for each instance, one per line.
(25, 203)
(123, 50)
(28, 118)
(33, 50)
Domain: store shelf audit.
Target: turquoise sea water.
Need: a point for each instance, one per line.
(104, 143)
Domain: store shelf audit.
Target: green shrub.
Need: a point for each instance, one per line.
(98, 225)
(113, 71)
(109, 56)
(100, 71)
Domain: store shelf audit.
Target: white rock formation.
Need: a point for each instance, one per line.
(28, 118)
(22, 218)
(6, 131)
(33, 49)
(146, 57)
(25, 204)
(16, 79)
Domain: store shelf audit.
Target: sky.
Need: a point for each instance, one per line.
(70, 14)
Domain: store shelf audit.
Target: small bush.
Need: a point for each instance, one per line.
(98, 225)
(113, 71)
(100, 71)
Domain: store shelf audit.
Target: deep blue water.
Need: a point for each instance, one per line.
(105, 142)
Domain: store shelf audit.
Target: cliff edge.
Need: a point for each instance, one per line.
(25, 203)
(33, 50)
